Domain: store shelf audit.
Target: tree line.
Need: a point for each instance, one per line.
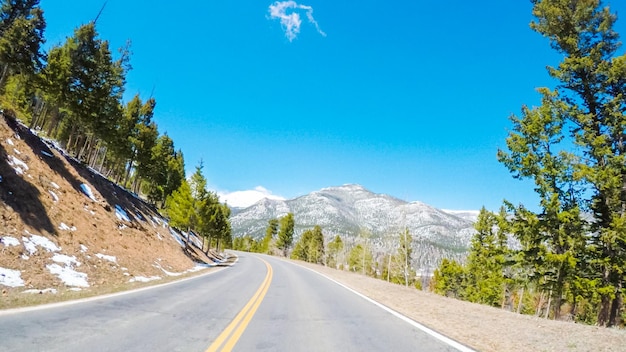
(73, 94)
(570, 255)
(312, 247)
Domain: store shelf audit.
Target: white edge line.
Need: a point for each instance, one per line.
(404, 318)
(110, 295)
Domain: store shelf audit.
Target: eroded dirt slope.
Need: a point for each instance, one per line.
(63, 226)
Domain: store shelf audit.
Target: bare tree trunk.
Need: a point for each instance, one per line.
(521, 301)
(538, 311)
(549, 303)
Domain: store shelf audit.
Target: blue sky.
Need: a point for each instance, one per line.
(408, 98)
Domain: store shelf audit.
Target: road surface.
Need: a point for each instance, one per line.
(260, 304)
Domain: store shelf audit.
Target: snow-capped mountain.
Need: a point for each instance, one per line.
(355, 213)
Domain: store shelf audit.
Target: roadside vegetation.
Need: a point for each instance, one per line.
(73, 94)
(567, 260)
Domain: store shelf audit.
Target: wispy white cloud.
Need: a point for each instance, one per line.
(288, 12)
(244, 199)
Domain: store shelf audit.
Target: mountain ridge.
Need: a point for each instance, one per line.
(354, 212)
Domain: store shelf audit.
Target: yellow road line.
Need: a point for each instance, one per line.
(243, 318)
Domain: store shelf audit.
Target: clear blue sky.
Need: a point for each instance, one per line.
(408, 98)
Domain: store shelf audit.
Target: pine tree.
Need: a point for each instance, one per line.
(285, 234)
(449, 279)
(270, 232)
(585, 110)
(180, 208)
(485, 280)
(334, 248)
(360, 260)
(316, 246)
(22, 28)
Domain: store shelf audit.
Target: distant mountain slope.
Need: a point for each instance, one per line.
(352, 210)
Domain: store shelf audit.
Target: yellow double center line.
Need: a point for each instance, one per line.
(229, 337)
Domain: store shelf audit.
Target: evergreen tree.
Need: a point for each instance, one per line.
(360, 260)
(315, 246)
(22, 28)
(180, 208)
(449, 279)
(301, 248)
(334, 248)
(285, 234)
(270, 233)
(485, 279)
(586, 110)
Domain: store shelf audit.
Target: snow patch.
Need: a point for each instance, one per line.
(11, 278)
(16, 151)
(110, 258)
(144, 279)
(10, 141)
(45, 290)
(15, 162)
(55, 185)
(55, 198)
(121, 213)
(83, 248)
(69, 276)
(87, 190)
(47, 154)
(66, 259)
(10, 241)
(177, 237)
(35, 240)
(67, 228)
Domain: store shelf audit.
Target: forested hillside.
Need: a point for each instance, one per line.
(570, 262)
(86, 177)
(73, 94)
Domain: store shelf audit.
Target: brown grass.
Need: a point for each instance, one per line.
(481, 327)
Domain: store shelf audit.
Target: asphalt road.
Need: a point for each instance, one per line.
(259, 304)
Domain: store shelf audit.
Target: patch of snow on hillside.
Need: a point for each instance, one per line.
(18, 165)
(0, 178)
(46, 154)
(67, 228)
(66, 259)
(87, 191)
(69, 276)
(83, 248)
(110, 258)
(16, 151)
(176, 237)
(121, 213)
(55, 198)
(45, 290)
(10, 141)
(10, 241)
(144, 279)
(168, 273)
(55, 185)
(11, 278)
(35, 240)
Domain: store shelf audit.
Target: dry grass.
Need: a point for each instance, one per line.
(481, 327)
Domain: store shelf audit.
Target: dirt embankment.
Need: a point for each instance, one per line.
(64, 227)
